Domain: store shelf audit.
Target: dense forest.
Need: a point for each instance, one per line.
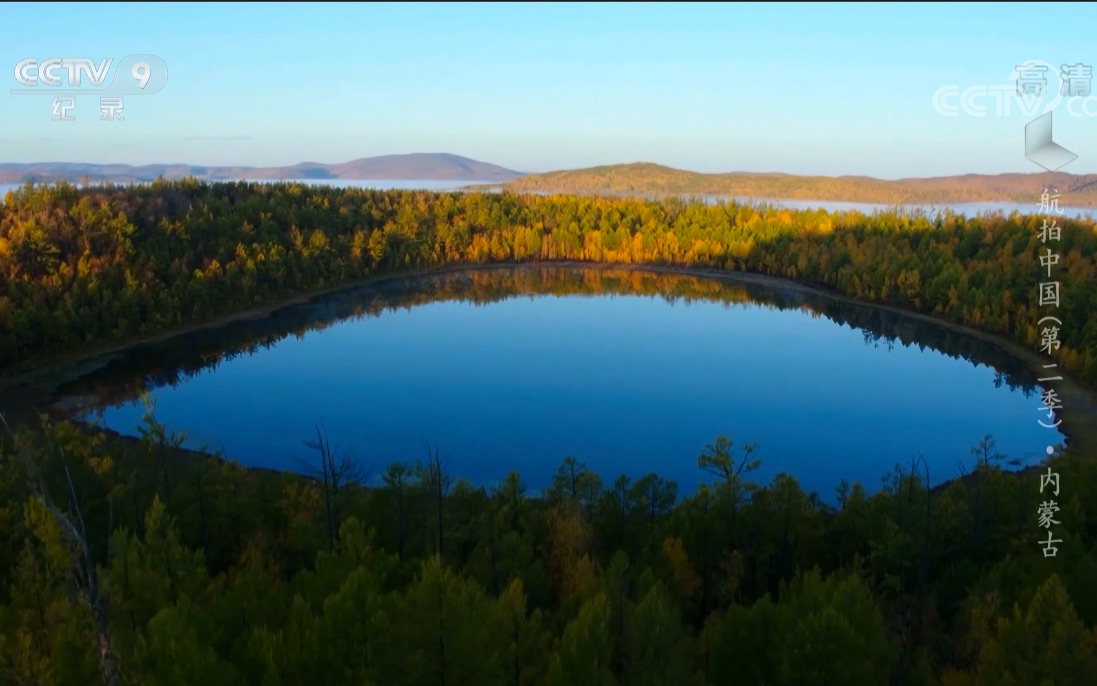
(645, 178)
(135, 562)
(125, 563)
(84, 268)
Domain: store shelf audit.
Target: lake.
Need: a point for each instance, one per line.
(628, 371)
(969, 209)
(395, 184)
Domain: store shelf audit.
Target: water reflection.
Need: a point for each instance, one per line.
(172, 362)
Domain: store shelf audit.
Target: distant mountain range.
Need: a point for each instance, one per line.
(413, 167)
(646, 179)
(637, 179)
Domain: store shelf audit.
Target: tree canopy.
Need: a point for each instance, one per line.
(88, 267)
(122, 564)
(134, 561)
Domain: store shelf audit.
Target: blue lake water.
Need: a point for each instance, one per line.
(517, 368)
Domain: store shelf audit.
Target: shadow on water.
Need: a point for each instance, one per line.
(122, 377)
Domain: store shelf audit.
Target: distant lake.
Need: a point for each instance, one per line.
(628, 371)
(969, 209)
(396, 184)
(393, 184)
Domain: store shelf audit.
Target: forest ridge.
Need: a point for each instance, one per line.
(637, 179)
(105, 265)
(647, 179)
(133, 563)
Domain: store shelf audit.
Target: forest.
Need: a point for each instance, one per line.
(84, 268)
(125, 562)
(645, 178)
(133, 561)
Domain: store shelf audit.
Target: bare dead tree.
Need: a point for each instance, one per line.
(161, 440)
(337, 470)
(924, 597)
(396, 478)
(91, 589)
(434, 476)
(493, 559)
(898, 481)
(924, 576)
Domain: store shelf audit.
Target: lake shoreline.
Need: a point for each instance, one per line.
(191, 457)
(1078, 416)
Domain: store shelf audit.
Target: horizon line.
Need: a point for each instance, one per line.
(534, 173)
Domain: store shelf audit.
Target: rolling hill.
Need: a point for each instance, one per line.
(647, 179)
(642, 179)
(412, 167)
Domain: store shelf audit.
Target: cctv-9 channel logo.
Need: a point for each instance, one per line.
(132, 75)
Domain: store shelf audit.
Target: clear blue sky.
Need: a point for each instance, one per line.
(823, 88)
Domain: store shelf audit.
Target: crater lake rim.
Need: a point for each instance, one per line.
(122, 374)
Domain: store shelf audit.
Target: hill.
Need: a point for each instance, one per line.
(636, 179)
(647, 179)
(414, 167)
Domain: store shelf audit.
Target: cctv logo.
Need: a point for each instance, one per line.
(79, 70)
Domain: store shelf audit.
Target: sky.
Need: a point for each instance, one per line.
(814, 88)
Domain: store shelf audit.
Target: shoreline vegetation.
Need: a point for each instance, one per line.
(1079, 413)
(207, 573)
(133, 562)
(1076, 391)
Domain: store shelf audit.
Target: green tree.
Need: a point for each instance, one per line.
(583, 653)
(176, 650)
(1044, 643)
(445, 638)
(659, 650)
(525, 648)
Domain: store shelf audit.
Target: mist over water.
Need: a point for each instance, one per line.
(449, 185)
